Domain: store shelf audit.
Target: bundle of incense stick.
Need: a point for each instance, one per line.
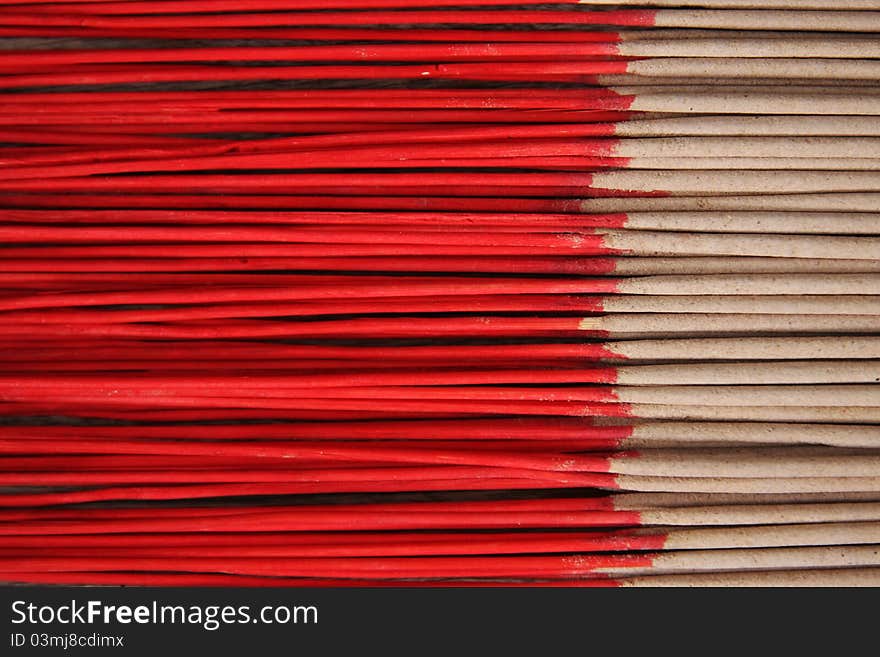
(392, 292)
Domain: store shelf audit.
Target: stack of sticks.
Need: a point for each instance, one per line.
(386, 292)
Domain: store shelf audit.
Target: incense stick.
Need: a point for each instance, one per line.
(614, 325)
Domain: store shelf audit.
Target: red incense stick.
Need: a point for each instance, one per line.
(247, 332)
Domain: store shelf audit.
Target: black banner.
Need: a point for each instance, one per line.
(143, 621)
